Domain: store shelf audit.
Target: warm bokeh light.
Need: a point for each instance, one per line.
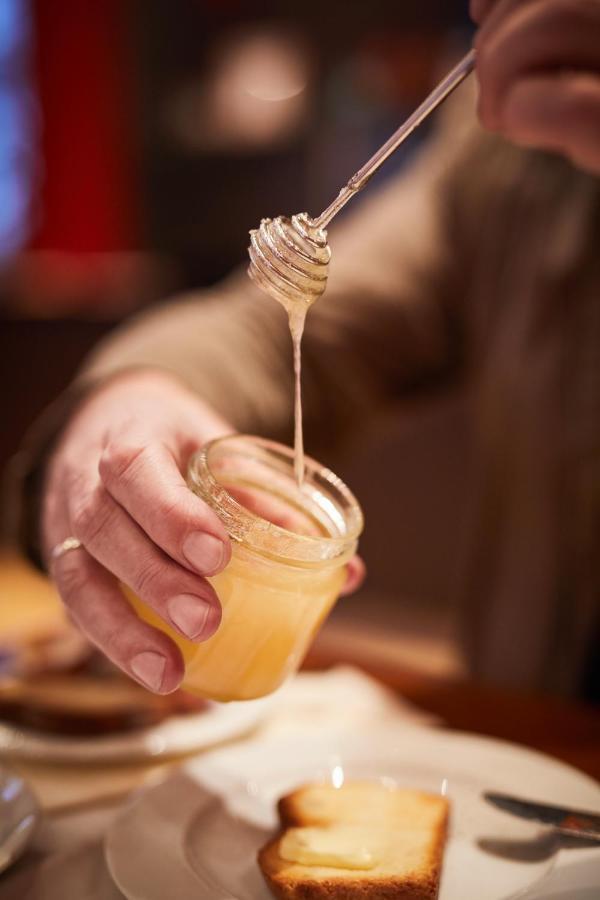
(255, 94)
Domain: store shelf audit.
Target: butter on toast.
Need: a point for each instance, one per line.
(363, 841)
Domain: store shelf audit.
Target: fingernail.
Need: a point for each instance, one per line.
(189, 613)
(149, 667)
(205, 552)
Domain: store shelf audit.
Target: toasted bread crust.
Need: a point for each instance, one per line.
(343, 888)
(79, 704)
(286, 882)
(292, 810)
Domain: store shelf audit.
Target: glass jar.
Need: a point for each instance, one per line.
(290, 547)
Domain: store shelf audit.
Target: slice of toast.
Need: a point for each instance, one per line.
(85, 705)
(363, 841)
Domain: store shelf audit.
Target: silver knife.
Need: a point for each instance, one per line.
(574, 822)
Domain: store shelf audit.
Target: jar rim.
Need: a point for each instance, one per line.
(321, 488)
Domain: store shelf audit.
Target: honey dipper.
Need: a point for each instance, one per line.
(289, 258)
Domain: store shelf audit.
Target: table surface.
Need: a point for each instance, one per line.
(80, 802)
(565, 729)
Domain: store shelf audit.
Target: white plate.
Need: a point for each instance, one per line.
(195, 837)
(177, 735)
(19, 815)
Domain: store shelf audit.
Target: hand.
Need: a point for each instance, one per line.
(115, 483)
(539, 74)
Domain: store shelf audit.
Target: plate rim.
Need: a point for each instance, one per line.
(403, 730)
(21, 744)
(532, 756)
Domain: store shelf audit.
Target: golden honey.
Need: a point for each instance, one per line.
(287, 567)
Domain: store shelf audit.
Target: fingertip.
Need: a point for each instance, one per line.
(531, 115)
(213, 621)
(206, 552)
(517, 113)
(159, 671)
(487, 102)
(196, 617)
(356, 574)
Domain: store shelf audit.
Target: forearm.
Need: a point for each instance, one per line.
(229, 346)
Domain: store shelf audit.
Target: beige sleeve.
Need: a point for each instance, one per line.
(385, 324)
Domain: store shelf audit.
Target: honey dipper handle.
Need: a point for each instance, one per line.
(437, 96)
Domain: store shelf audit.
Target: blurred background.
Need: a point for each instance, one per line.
(139, 141)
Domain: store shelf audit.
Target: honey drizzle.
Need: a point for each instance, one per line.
(289, 261)
(297, 319)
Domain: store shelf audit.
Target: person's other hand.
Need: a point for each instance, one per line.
(538, 66)
(115, 483)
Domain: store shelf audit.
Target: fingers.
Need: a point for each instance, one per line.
(356, 572)
(145, 548)
(522, 39)
(274, 509)
(100, 610)
(558, 114)
(96, 604)
(110, 535)
(145, 480)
